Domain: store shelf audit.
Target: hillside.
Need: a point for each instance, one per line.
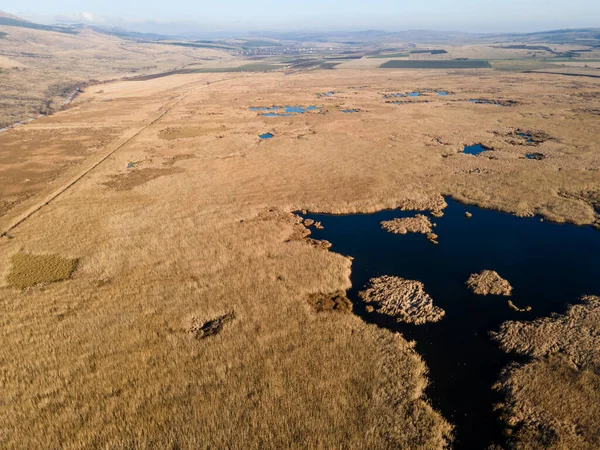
(41, 66)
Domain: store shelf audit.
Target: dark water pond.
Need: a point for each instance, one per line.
(548, 265)
(349, 111)
(485, 102)
(266, 136)
(536, 156)
(526, 136)
(474, 149)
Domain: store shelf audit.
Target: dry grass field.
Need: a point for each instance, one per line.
(178, 214)
(553, 401)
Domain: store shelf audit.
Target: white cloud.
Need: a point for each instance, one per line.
(92, 18)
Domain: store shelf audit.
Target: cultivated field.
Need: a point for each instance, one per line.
(177, 214)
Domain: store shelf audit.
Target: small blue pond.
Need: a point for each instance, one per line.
(266, 136)
(549, 265)
(475, 149)
(392, 95)
(300, 109)
(349, 111)
(442, 93)
(413, 94)
(283, 111)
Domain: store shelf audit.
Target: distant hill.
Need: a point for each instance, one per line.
(584, 36)
(126, 34)
(10, 20)
(6, 15)
(580, 36)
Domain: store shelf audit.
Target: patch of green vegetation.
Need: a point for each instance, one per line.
(441, 64)
(29, 270)
(255, 67)
(521, 64)
(391, 55)
(6, 21)
(191, 44)
(579, 60)
(431, 52)
(329, 65)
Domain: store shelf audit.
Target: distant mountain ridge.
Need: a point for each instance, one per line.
(582, 36)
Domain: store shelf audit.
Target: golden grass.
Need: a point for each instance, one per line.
(553, 401)
(28, 270)
(417, 224)
(488, 282)
(405, 300)
(106, 359)
(336, 301)
(137, 177)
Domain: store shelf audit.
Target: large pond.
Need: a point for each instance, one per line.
(548, 265)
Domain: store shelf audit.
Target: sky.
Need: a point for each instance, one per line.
(318, 15)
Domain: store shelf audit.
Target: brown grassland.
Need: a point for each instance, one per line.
(553, 401)
(202, 226)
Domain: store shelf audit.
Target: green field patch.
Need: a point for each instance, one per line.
(391, 55)
(256, 67)
(521, 64)
(329, 65)
(444, 64)
(252, 67)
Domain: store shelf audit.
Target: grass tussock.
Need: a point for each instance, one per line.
(202, 330)
(406, 300)
(553, 401)
(336, 301)
(417, 224)
(28, 270)
(488, 282)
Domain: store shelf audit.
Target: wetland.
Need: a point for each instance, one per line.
(549, 265)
